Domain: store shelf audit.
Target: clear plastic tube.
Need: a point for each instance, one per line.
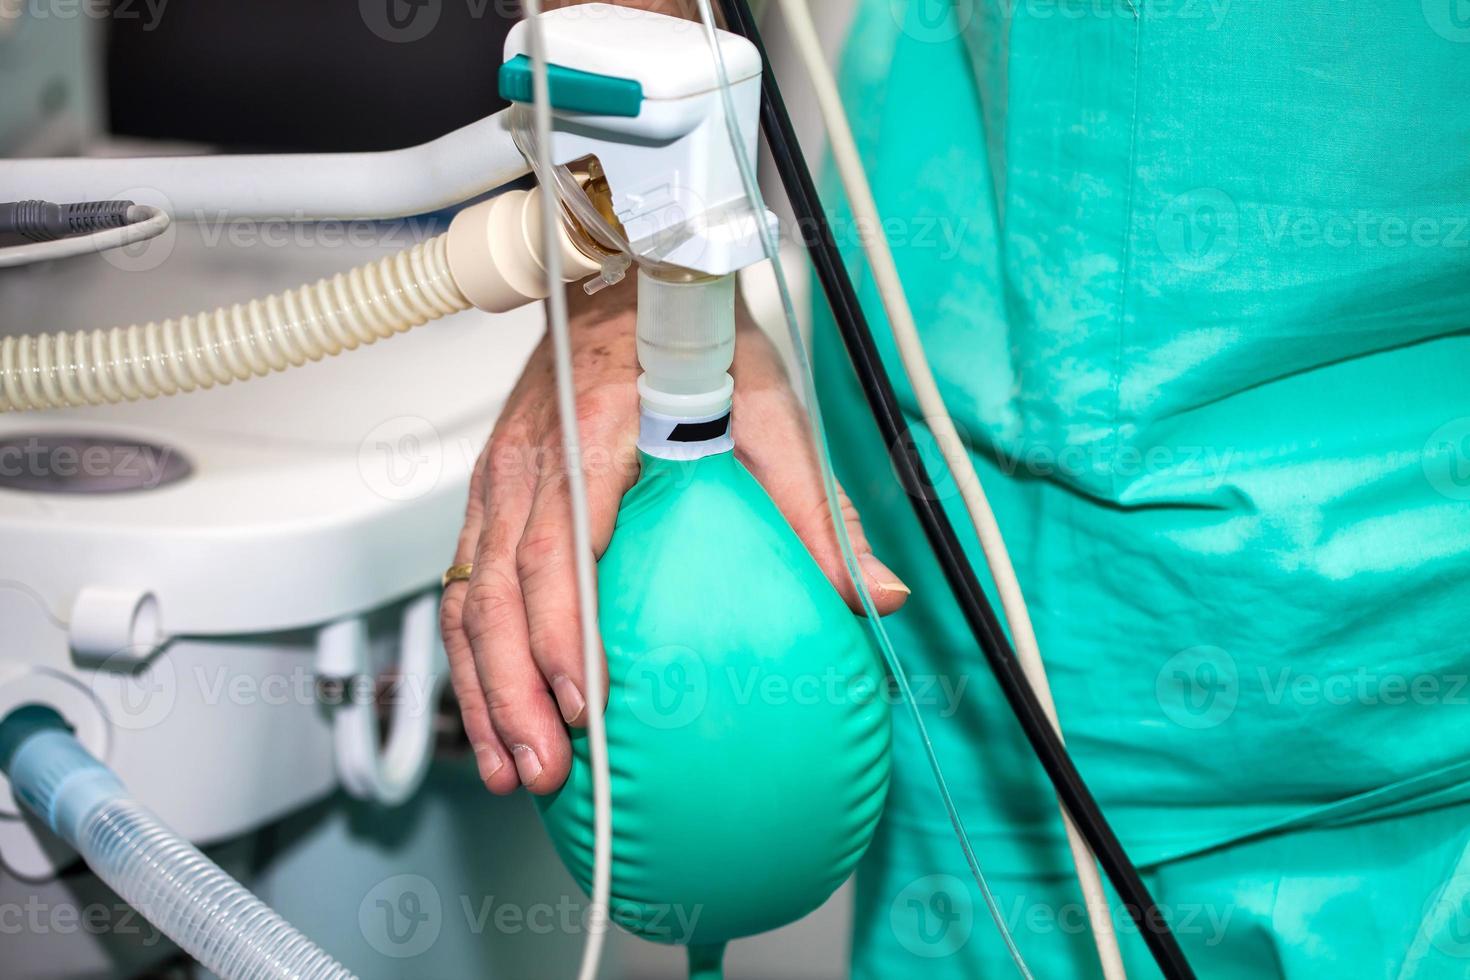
(169, 881)
(829, 482)
(193, 902)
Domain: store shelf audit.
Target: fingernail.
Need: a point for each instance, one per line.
(527, 765)
(882, 576)
(489, 762)
(568, 698)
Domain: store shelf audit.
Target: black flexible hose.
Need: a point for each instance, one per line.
(857, 337)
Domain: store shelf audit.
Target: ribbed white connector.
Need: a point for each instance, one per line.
(497, 252)
(233, 343)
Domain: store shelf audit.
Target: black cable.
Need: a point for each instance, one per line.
(857, 337)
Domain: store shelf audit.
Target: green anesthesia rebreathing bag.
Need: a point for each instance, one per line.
(748, 731)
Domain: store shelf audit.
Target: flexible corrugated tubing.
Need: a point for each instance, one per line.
(234, 343)
(210, 915)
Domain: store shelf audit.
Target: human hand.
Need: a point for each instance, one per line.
(511, 632)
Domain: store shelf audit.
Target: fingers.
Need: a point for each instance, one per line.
(772, 439)
(547, 567)
(491, 754)
(522, 711)
(546, 564)
(520, 612)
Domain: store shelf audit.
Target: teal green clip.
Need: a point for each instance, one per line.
(574, 90)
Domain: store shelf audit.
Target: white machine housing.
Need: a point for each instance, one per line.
(675, 185)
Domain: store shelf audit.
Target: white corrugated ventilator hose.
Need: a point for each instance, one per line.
(491, 258)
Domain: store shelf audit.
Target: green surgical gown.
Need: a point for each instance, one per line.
(1194, 276)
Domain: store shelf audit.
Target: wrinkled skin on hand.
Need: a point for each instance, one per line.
(511, 632)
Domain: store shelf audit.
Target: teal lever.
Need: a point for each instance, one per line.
(572, 89)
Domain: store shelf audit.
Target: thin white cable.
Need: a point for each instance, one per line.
(566, 398)
(144, 222)
(957, 458)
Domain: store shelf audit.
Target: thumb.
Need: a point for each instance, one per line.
(887, 590)
(773, 441)
(794, 483)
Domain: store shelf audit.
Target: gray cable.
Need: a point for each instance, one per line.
(144, 222)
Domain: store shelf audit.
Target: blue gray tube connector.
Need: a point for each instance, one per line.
(169, 881)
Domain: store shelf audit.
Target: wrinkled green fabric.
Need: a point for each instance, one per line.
(1195, 279)
(1383, 900)
(747, 721)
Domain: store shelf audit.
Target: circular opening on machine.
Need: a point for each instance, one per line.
(83, 463)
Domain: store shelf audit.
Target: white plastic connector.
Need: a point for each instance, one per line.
(109, 623)
(686, 343)
(497, 252)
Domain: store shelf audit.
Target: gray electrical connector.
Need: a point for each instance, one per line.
(43, 221)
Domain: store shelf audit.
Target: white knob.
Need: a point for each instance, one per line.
(109, 623)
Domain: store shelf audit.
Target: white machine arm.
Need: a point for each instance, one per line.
(635, 98)
(288, 186)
